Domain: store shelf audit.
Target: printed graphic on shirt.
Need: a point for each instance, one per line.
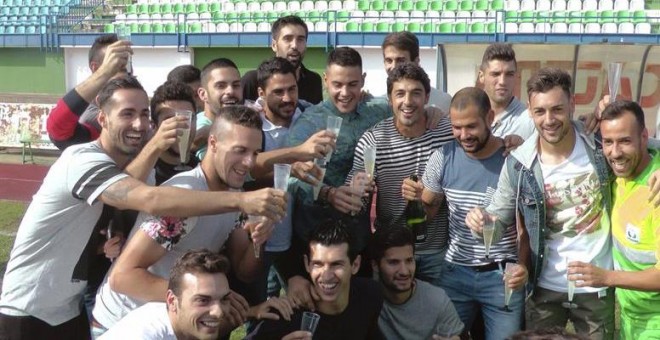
(573, 205)
(167, 231)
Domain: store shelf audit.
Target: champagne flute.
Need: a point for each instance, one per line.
(183, 138)
(488, 231)
(321, 163)
(251, 224)
(508, 272)
(614, 79)
(571, 288)
(370, 160)
(124, 33)
(333, 125)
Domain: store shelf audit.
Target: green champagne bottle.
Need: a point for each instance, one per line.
(416, 217)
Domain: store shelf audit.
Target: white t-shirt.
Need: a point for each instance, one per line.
(44, 277)
(177, 236)
(149, 322)
(573, 199)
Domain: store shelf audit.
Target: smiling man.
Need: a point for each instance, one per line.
(197, 302)
(221, 87)
(289, 41)
(348, 306)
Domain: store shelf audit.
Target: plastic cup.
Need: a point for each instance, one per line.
(488, 232)
(310, 321)
(124, 33)
(370, 160)
(281, 173)
(184, 140)
(333, 125)
(320, 162)
(614, 79)
(253, 221)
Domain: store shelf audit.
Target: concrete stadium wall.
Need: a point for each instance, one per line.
(31, 71)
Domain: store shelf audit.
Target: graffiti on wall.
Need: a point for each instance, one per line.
(21, 122)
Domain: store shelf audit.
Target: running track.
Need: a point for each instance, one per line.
(18, 182)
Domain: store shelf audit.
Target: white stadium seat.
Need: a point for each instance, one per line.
(574, 5)
(527, 5)
(511, 27)
(643, 28)
(350, 5)
(526, 27)
(235, 27)
(250, 27)
(592, 27)
(543, 27)
(559, 27)
(543, 5)
(575, 27)
(589, 5)
(320, 5)
(334, 5)
(279, 6)
(626, 28)
(621, 5)
(559, 5)
(605, 5)
(512, 5)
(263, 27)
(609, 27)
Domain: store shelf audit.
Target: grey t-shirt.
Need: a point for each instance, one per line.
(428, 309)
(90, 116)
(514, 121)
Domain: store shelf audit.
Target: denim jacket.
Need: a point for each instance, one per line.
(521, 188)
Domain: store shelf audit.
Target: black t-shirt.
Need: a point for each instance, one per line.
(165, 171)
(309, 86)
(357, 322)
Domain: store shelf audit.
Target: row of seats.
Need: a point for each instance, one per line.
(25, 11)
(22, 29)
(389, 26)
(576, 17)
(23, 20)
(575, 5)
(30, 3)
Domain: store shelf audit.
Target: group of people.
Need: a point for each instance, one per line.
(118, 243)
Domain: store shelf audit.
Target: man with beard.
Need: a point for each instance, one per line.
(42, 288)
(465, 173)
(403, 47)
(562, 189)
(191, 76)
(221, 86)
(289, 41)
(413, 309)
(403, 145)
(635, 224)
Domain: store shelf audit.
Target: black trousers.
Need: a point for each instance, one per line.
(31, 328)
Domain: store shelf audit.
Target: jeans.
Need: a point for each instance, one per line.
(429, 267)
(469, 289)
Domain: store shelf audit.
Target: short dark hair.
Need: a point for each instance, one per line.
(239, 115)
(345, 57)
(498, 51)
(96, 51)
(404, 41)
(390, 237)
(331, 232)
(471, 96)
(285, 21)
(122, 83)
(408, 71)
(212, 65)
(185, 74)
(170, 90)
(202, 261)
(553, 333)
(619, 107)
(275, 65)
(548, 78)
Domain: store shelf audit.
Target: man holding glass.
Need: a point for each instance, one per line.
(635, 224)
(403, 145)
(139, 274)
(464, 172)
(556, 188)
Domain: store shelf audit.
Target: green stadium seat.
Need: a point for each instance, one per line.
(460, 27)
(590, 17)
(143, 9)
(527, 16)
(477, 27)
(607, 16)
(481, 5)
(154, 9)
(170, 27)
(20, 29)
(414, 27)
(157, 27)
(559, 16)
(406, 5)
(202, 8)
(491, 28)
(436, 5)
(639, 16)
(343, 16)
(398, 27)
(363, 5)
(178, 8)
(272, 16)
(623, 16)
(352, 26)
(542, 17)
(109, 28)
(392, 5)
(195, 27)
(24, 11)
(215, 7)
(4, 11)
(217, 17)
(259, 16)
(10, 29)
(383, 27)
(134, 27)
(421, 5)
(314, 16)
(2, 29)
(496, 5)
(244, 17)
(231, 17)
(35, 10)
(451, 5)
(574, 17)
(427, 27)
(145, 28)
(181, 28)
(166, 8)
(377, 5)
(43, 10)
(367, 27)
(511, 16)
(466, 5)
(190, 8)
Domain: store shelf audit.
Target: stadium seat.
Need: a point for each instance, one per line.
(479, 16)
(574, 5)
(435, 5)
(398, 27)
(512, 5)
(575, 27)
(636, 5)
(481, 5)
(477, 27)
(496, 5)
(466, 5)
(250, 27)
(236, 27)
(421, 5)
(559, 16)
(321, 26)
(386, 15)
(543, 5)
(626, 28)
(643, 28)
(352, 26)
(444, 27)
(222, 27)
(363, 5)
(558, 5)
(590, 17)
(592, 27)
(527, 16)
(620, 5)
(451, 5)
(460, 27)
(490, 27)
(609, 28)
(414, 27)
(240, 7)
(542, 27)
(263, 27)
(372, 15)
(639, 16)
(279, 6)
(432, 15)
(254, 6)
(589, 5)
(607, 17)
(321, 5)
(559, 27)
(108, 28)
(406, 5)
(417, 16)
(526, 27)
(448, 16)
(605, 5)
(367, 26)
(349, 5)
(527, 5)
(623, 16)
(334, 5)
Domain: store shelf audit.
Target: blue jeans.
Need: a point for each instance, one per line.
(470, 290)
(429, 267)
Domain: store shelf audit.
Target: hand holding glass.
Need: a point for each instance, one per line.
(124, 33)
(488, 231)
(309, 322)
(614, 79)
(333, 125)
(571, 288)
(508, 273)
(183, 138)
(359, 185)
(281, 173)
(320, 162)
